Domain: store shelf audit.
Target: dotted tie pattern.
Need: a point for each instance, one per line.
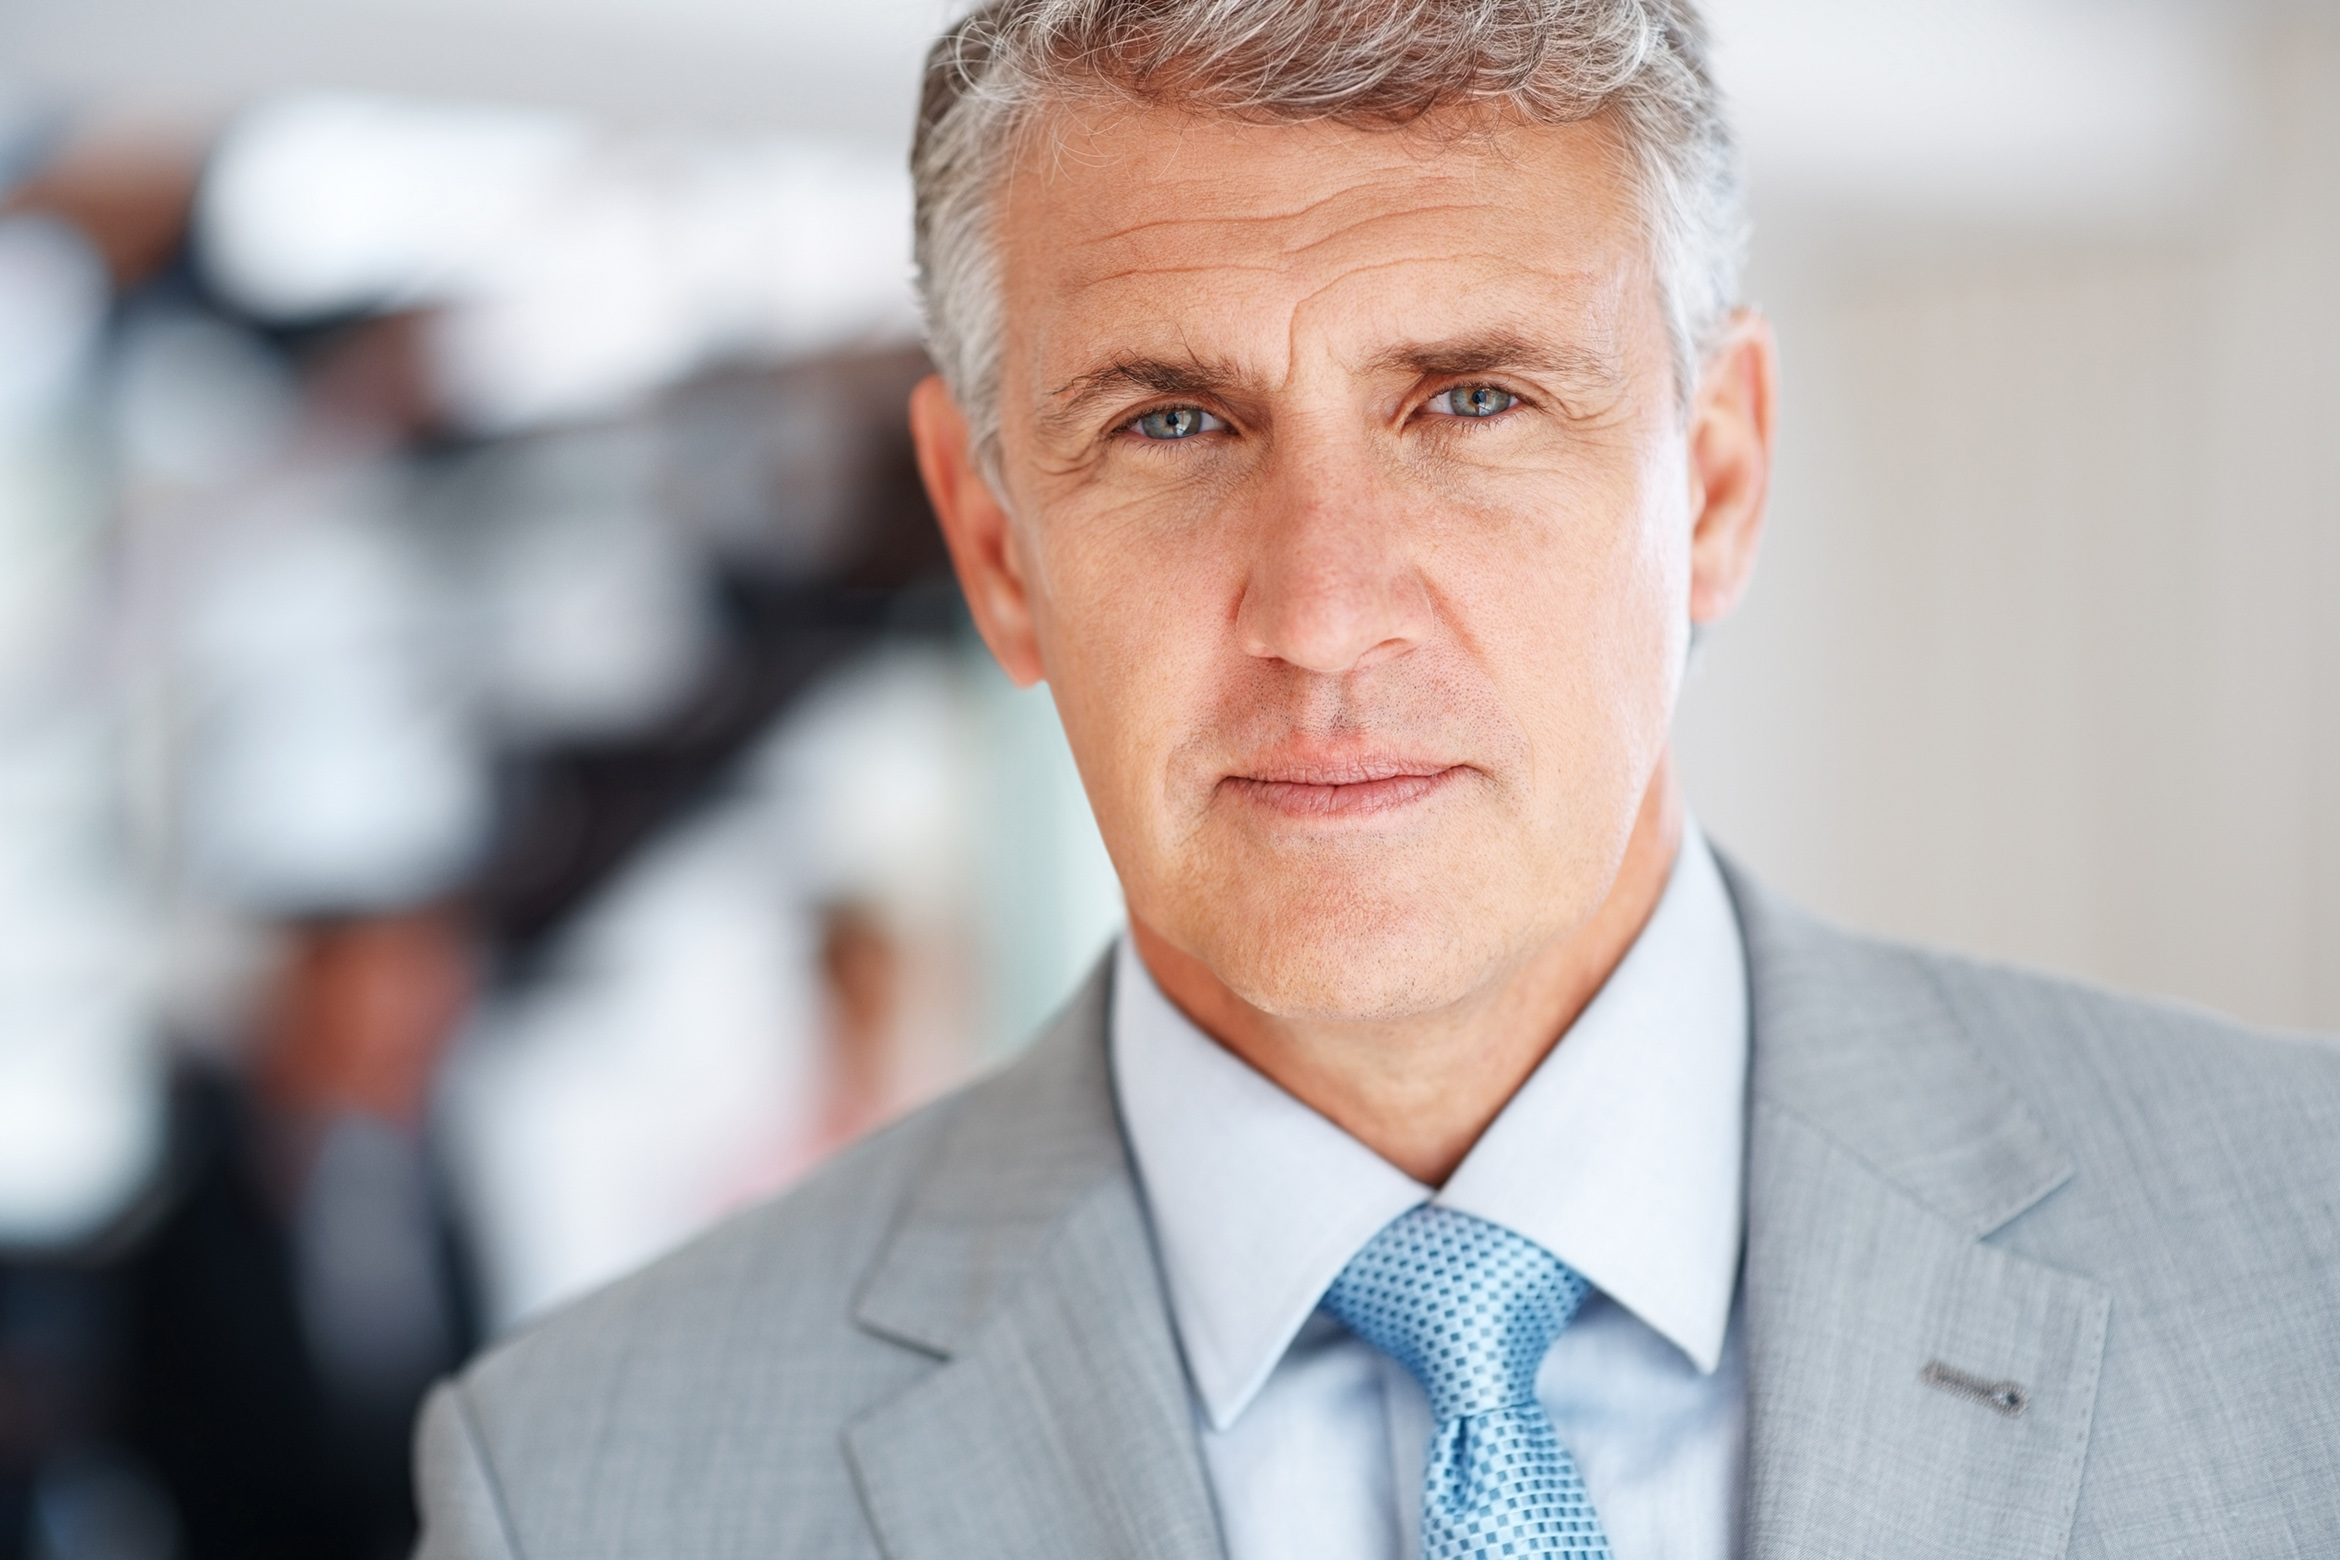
(1471, 1309)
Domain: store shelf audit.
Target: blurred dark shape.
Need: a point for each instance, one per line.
(306, 1285)
(265, 1447)
(59, 1325)
(802, 483)
(369, 378)
(102, 1506)
(171, 1384)
(806, 473)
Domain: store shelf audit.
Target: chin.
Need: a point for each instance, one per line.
(1327, 952)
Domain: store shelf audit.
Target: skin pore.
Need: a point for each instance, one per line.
(1347, 503)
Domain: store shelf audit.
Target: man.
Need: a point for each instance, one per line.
(1341, 406)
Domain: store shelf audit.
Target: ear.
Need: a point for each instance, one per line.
(1730, 463)
(977, 530)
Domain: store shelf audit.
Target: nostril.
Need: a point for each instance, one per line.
(1331, 621)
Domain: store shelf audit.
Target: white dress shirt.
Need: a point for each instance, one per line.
(1622, 1155)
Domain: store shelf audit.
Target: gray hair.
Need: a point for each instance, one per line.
(1373, 63)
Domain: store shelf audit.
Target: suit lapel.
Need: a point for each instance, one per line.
(1059, 1421)
(1882, 1154)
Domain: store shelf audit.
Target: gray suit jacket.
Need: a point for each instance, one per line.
(952, 1344)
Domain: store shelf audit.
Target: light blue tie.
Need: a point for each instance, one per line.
(1471, 1309)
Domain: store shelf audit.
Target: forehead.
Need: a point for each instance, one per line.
(1143, 230)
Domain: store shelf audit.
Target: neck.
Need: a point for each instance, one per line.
(1421, 1090)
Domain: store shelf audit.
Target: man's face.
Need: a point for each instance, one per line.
(1352, 529)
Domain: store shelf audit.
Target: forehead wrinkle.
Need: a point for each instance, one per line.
(1214, 268)
(1316, 294)
(1412, 170)
(1297, 247)
(1371, 220)
(1493, 258)
(1294, 215)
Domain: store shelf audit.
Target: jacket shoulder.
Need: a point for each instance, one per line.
(2199, 1154)
(2122, 1083)
(699, 1407)
(708, 1391)
(2228, 1107)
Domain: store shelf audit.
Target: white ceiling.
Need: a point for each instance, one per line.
(2021, 105)
(1992, 107)
(847, 69)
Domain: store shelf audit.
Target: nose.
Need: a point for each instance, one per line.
(1332, 586)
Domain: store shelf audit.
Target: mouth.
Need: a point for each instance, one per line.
(1341, 790)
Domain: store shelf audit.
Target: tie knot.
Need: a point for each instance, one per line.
(1467, 1306)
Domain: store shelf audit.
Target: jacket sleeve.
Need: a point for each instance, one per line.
(463, 1515)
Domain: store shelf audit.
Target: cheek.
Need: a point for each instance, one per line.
(1580, 617)
(1130, 618)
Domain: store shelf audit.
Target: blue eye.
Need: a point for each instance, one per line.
(1474, 401)
(1176, 422)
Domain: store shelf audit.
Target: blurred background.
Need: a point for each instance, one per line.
(494, 774)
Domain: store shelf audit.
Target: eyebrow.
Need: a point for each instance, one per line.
(1071, 401)
(1495, 352)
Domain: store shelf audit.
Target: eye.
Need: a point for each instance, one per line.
(1176, 422)
(1473, 401)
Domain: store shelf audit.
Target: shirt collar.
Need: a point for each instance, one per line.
(1622, 1154)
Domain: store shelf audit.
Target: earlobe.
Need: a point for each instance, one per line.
(1730, 460)
(976, 528)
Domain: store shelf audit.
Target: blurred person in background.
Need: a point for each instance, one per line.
(1348, 409)
(328, 795)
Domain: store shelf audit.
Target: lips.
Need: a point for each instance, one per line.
(1343, 789)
